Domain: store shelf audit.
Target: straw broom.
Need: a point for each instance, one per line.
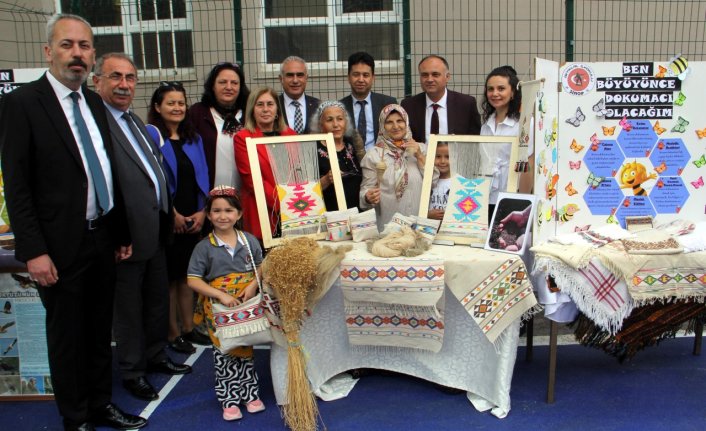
(291, 271)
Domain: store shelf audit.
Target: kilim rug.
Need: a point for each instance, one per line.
(301, 208)
(467, 209)
(496, 292)
(646, 326)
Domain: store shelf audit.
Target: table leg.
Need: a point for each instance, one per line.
(553, 331)
(698, 333)
(530, 339)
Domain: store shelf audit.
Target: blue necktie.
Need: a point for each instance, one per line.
(94, 165)
(362, 121)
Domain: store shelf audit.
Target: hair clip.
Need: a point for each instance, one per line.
(223, 191)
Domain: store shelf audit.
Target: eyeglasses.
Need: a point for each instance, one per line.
(175, 84)
(117, 77)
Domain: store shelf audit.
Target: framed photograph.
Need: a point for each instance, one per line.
(511, 223)
(456, 188)
(295, 169)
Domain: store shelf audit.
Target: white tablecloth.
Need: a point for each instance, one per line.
(467, 360)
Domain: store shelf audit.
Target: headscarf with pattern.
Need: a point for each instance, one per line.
(388, 146)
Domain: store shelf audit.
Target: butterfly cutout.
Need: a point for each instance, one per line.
(540, 101)
(577, 119)
(582, 228)
(570, 189)
(593, 180)
(626, 202)
(661, 168)
(576, 146)
(701, 133)
(625, 124)
(611, 219)
(599, 108)
(575, 165)
(662, 72)
(680, 127)
(658, 129)
(680, 170)
(698, 183)
(660, 184)
(700, 162)
(660, 145)
(681, 98)
(595, 140)
(608, 131)
(678, 209)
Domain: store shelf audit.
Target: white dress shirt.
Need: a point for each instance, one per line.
(67, 105)
(442, 110)
(498, 154)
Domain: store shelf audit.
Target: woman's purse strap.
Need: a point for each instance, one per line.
(243, 238)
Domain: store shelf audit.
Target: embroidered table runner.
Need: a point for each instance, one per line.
(392, 302)
(494, 288)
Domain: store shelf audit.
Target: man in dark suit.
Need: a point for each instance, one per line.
(361, 76)
(141, 317)
(296, 105)
(68, 218)
(438, 110)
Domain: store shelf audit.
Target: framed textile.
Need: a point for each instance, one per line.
(511, 223)
(472, 158)
(297, 187)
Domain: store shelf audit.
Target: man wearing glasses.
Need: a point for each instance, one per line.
(141, 316)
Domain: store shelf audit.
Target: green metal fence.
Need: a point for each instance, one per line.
(181, 39)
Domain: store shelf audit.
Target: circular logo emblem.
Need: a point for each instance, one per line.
(578, 79)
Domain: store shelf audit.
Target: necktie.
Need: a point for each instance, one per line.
(94, 165)
(298, 119)
(151, 159)
(362, 121)
(434, 127)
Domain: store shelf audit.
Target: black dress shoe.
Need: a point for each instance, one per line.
(111, 416)
(195, 337)
(168, 367)
(179, 344)
(141, 388)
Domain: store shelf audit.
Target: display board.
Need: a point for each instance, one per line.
(629, 142)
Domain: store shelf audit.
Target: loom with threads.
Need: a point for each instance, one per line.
(296, 171)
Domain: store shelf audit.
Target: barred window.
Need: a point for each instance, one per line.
(322, 31)
(157, 34)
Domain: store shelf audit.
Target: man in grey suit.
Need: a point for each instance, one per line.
(141, 312)
(361, 76)
(296, 105)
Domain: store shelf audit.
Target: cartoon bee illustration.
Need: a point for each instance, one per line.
(678, 66)
(551, 186)
(567, 212)
(633, 175)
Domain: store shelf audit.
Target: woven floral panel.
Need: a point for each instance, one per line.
(301, 208)
(467, 209)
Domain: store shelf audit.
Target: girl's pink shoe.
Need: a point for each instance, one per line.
(255, 406)
(233, 413)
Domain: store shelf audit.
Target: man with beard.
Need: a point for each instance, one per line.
(68, 218)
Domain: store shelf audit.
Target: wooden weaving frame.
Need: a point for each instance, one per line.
(262, 211)
(512, 180)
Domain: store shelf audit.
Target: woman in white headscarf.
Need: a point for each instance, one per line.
(404, 160)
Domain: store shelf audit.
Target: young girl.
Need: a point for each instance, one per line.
(222, 268)
(440, 192)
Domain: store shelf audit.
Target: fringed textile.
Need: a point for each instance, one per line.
(646, 326)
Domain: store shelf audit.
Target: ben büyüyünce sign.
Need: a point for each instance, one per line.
(639, 94)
